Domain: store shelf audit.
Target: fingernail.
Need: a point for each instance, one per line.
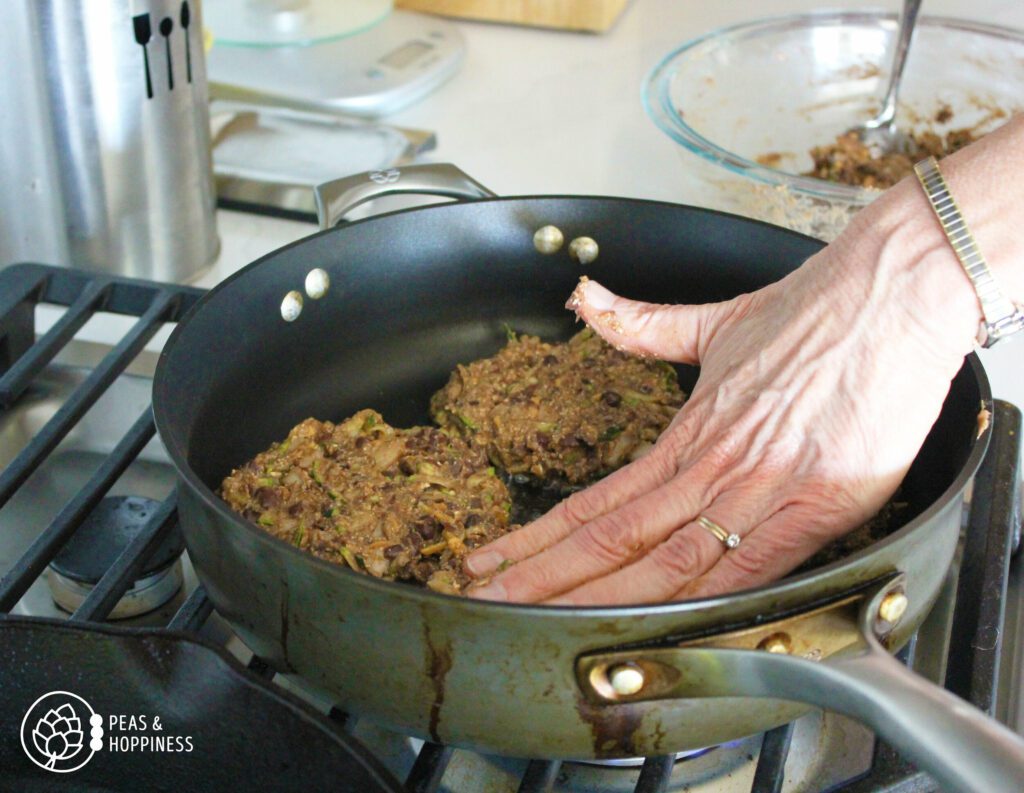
(493, 591)
(483, 563)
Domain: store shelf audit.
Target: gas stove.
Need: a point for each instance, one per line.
(98, 598)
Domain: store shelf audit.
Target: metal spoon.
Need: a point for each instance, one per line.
(880, 134)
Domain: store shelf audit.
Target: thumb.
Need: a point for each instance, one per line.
(676, 333)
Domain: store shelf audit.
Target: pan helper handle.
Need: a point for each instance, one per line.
(337, 198)
(961, 747)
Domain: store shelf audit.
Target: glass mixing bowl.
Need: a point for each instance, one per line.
(775, 88)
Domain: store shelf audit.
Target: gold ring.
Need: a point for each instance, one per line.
(729, 539)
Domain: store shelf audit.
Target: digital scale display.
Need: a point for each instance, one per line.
(371, 73)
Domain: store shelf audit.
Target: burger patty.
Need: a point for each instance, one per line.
(572, 411)
(403, 505)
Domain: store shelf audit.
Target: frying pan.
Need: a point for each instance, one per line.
(415, 292)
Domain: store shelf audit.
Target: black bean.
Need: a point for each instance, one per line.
(549, 360)
(407, 466)
(428, 528)
(472, 519)
(645, 388)
(268, 497)
(392, 551)
(543, 440)
(611, 398)
(423, 570)
(361, 441)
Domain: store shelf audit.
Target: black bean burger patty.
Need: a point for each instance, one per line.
(571, 411)
(398, 504)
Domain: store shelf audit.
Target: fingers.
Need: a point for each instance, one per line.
(668, 332)
(772, 550)
(623, 486)
(600, 546)
(686, 555)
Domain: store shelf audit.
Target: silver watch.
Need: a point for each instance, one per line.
(1001, 318)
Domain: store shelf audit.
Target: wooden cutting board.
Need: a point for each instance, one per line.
(591, 15)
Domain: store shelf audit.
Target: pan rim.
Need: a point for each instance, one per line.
(782, 587)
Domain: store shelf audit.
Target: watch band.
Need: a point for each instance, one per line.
(1001, 317)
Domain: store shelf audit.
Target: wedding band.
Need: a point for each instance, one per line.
(728, 539)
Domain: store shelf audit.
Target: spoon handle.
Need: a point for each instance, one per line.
(905, 30)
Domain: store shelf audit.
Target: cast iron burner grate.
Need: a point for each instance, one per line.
(337, 758)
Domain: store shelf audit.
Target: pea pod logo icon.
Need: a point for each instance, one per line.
(53, 732)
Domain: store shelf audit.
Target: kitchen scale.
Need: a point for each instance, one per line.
(356, 57)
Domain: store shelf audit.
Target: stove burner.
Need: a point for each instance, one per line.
(108, 530)
(636, 762)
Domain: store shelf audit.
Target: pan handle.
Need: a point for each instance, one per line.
(961, 747)
(335, 199)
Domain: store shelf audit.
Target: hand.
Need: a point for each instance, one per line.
(814, 397)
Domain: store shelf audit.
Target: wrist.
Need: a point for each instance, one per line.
(991, 196)
(910, 255)
(914, 271)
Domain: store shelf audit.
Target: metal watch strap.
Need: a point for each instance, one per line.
(1001, 317)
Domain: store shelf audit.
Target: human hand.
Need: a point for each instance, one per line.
(814, 397)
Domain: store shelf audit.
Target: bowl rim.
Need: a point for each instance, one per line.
(659, 108)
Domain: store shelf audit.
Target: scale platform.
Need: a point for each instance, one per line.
(370, 74)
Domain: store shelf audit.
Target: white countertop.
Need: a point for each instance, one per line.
(536, 111)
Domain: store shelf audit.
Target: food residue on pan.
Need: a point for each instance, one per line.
(984, 419)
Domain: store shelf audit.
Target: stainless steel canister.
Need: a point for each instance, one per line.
(105, 137)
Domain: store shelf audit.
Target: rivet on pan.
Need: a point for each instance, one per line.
(893, 607)
(776, 643)
(548, 239)
(583, 249)
(291, 306)
(317, 283)
(626, 679)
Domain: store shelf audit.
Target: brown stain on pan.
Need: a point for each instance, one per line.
(614, 728)
(439, 663)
